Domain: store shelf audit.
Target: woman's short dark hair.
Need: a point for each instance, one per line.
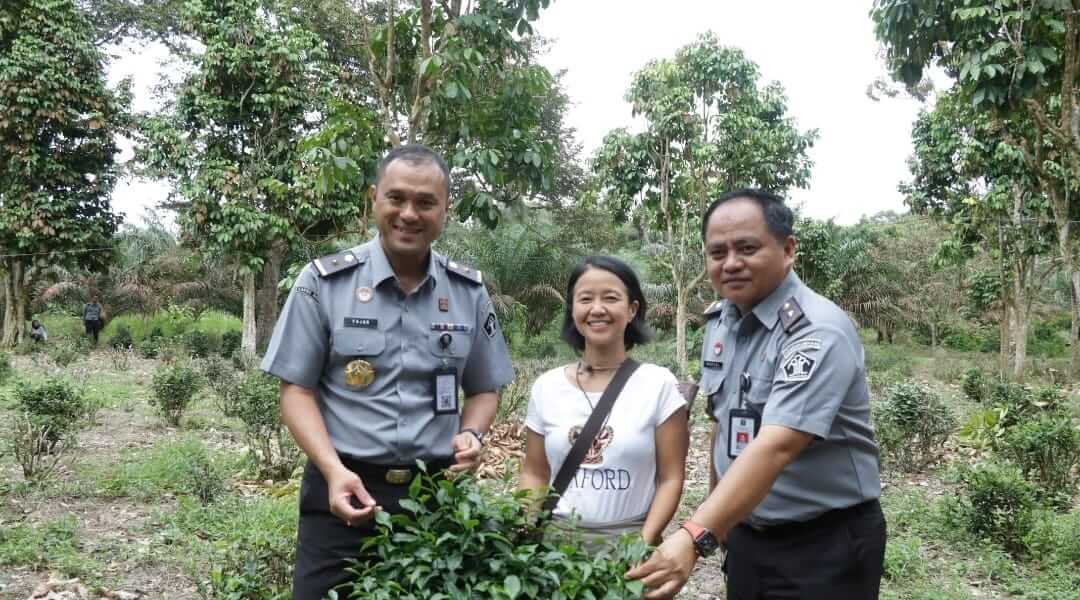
(778, 217)
(637, 331)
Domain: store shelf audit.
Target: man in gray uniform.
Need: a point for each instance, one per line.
(371, 348)
(796, 503)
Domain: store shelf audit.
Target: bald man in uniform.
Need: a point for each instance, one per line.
(372, 347)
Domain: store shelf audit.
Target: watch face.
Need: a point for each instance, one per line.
(706, 544)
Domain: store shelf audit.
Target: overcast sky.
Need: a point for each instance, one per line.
(822, 52)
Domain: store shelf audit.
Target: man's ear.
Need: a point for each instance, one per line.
(371, 193)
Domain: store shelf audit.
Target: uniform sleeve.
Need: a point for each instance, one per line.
(534, 420)
(815, 370)
(488, 366)
(298, 347)
(670, 399)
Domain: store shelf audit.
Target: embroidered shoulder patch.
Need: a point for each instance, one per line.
(490, 325)
(798, 367)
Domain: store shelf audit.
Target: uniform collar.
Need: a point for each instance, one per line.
(381, 269)
(768, 310)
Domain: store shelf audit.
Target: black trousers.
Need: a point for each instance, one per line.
(839, 555)
(325, 545)
(93, 326)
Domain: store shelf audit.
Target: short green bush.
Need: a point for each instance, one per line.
(460, 539)
(1047, 449)
(198, 343)
(996, 503)
(174, 386)
(121, 340)
(255, 402)
(149, 347)
(1055, 539)
(983, 429)
(262, 571)
(974, 384)
(7, 369)
(56, 405)
(1018, 400)
(65, 353)
(897, 359)
(912, 423)
(230, 342)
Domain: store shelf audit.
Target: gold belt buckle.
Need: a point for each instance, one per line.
(398, 476)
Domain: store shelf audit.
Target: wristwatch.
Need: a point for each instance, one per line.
(705, 543)
(479, 436)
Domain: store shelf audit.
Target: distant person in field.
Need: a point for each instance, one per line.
(91, 316)
(631, 478)
(37, 331)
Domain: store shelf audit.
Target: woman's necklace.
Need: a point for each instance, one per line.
(583, 366)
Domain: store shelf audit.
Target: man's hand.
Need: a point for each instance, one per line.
(467, 451)
(344, 486)
(668, 569)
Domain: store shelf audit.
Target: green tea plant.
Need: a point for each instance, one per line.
(974, 384)
(174, 388)
(64, 354)
(254, 400)
(198, 343)
(996, 503)
(1047, 449)
(122, 339)
(44, 426)
(6, 368)
(912, 424)
(459, 539)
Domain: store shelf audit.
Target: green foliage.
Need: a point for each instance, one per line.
(912, 424)
(149, 347)
(63, 354)
(974, 384)
(183, 466)
(984, 429)
(174, 388)
(56, 405)
(230, 342)
(255, 402)
(995, 503)
(1055, 539)
(54, 544)
(199, 344)
(458, 539)
(58, 133)
(1047, 449)
(121, 340)
(259, 572)
(7, 369)
(1020, 401)
(1045, 338)
(889, 357)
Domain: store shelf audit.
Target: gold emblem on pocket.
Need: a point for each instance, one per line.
(359, 373)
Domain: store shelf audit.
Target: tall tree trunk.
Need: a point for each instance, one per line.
(247, 340)
(1006, 339)
(267, 313)
(1059, 201)
(15, 304)
(1021, 310)
(682, 298)
(1074, 333)
(933, 335)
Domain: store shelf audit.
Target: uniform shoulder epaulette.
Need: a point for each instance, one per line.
(792, 316)
(714, 309)
(468, 273)
(332, 264)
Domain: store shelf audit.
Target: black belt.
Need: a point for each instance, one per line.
(392, 474)
(821, 521)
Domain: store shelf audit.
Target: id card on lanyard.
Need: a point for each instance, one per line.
(743, 423)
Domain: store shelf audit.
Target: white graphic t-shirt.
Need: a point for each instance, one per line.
(617, 479)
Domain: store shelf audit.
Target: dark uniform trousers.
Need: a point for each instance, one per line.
(837, 556)
(325, 545)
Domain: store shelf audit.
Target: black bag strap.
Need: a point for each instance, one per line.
(588, 433)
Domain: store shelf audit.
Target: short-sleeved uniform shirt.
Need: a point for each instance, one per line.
(362, 314)
(808, 376)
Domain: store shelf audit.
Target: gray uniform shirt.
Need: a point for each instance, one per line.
(810, 380)
(362, 314)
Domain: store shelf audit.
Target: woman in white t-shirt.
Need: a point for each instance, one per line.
(632, 476)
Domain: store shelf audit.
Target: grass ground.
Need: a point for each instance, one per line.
(126, 516)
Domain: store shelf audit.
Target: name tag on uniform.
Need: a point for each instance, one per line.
(361, 322)
(445, 401)
(713, 364)
(743, 427)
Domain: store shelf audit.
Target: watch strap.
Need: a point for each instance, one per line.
(479, 436)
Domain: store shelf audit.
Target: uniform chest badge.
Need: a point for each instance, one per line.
(359, 373)
(444, 304)
(364, 294)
